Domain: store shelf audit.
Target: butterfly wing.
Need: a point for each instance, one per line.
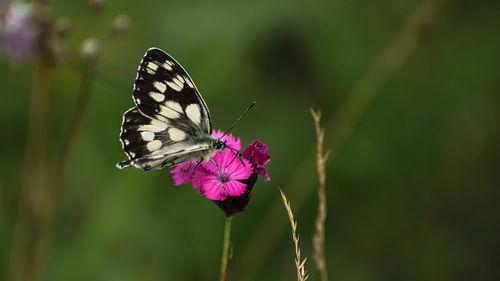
(164, 91)
(169, 119)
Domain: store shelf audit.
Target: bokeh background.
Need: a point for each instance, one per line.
(409, 94)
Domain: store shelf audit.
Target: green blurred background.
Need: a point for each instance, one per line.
(409, 92)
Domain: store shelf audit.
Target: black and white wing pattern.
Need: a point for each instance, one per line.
(170, 123)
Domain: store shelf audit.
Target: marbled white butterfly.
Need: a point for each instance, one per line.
(170, 123)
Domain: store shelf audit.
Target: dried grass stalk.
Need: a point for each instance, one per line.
(301, 271)
(319, 227)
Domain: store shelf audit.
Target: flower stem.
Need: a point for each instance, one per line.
(225, 248)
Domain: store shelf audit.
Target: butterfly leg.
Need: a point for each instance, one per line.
(189, 167)
(194, 170)
(219, 175)
(236, 154)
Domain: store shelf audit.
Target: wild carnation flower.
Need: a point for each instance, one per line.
(184, 172)
(233, 176)
(258, 154)
(218, 184)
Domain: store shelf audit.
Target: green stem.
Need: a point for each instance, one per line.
(225, 248)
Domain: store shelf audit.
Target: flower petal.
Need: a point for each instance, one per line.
(257, 153)
(261, 170)
(234, 188)
(183, 173)
(230, 140)
(213, 190)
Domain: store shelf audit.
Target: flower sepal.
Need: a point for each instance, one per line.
(236, 204)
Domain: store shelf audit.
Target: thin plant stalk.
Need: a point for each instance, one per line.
(319, 227)
(34, 172)
(347, 117)
(226, 245)
(33, 199)
(43, 225)
(32, 268)
(84, 92)
(299, 263)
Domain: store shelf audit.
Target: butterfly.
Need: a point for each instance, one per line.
(170, 122)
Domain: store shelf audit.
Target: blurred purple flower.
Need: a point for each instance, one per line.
(17, 31)
(258, 155)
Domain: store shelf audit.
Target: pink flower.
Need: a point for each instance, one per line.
(229, 182)
(184, 172)
(230, 140)
(258, 154)
(217, 182)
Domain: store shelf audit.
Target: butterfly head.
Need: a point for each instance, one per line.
(219, 144)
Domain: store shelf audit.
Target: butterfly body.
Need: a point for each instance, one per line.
(170, 123)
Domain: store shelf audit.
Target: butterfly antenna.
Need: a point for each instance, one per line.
(236, 154)
(235, 123)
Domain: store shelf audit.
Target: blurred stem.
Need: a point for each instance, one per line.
(225, 248)
(43, 226)
(38, 192)
(393, 56)
(33, 196)
(82, 101)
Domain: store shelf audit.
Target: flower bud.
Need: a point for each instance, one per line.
(120, 24)
(62, 27)
(90, 49)
(96, 5)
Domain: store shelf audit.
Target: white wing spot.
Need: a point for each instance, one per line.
(174, 105)
(147, 136)
(193, 112)
(157, 123)
(174, 86)
(138, 101)
(171, 110)
(152, 66)
(160, 86)
(179, 81)
(150, 71)
(132, 154)
(168, 65)
(188, 82)
(126, 142)
(176, 134)
(158, 97)
(153, 145)
(161, 118)
(155, 126)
